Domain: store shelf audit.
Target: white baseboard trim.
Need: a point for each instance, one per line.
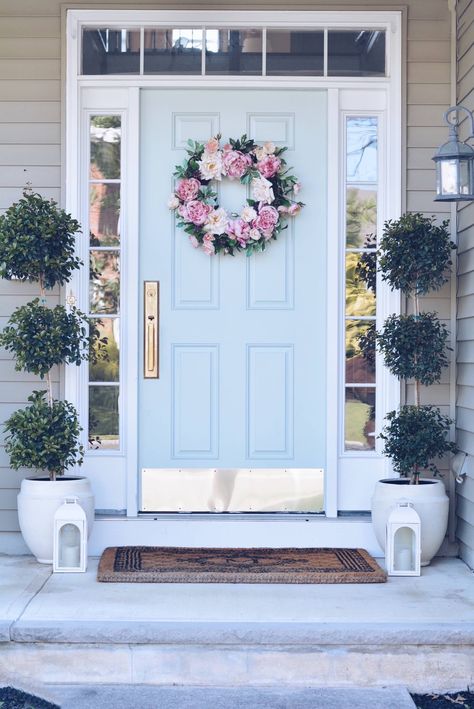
(283, 531)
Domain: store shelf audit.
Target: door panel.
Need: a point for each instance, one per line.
(242, 345)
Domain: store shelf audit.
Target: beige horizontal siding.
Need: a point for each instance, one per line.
(465, 303)
(26, 91)
(34, 27)
(9, 521)
(466, 83)
(466, 61)
(465, 396)
(9, 195)
(24, 48)
(30, 92)
(466, 491)
(23, 155)
(465, 284)
(40, 176)
(420, 29)
(427, 50)
(428, 94)
(420, 159)
(19, 69)
(27, 133)
(21, 112)
(465, 353)
(465, 441)
(425, 115)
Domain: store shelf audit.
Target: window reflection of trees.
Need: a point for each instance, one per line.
(361, 216)
(105, 136)
(104, 277)
(362, 147)
(107, 370)
(360, 298)
(360, 418)
(104, 214)
(103, 415)
(361, 265)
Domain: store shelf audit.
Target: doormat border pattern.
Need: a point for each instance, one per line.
(141, 564)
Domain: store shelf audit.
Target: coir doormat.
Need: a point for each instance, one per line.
(201, 565)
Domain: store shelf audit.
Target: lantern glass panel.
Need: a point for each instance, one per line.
(404, 552)
(69, 546)
(449, 176)
(464, 177)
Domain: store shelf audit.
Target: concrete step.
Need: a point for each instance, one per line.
(112, 697)
(421, 668)
(66, 629)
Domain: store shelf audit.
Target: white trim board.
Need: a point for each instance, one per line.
(264, 531)
(115, 476)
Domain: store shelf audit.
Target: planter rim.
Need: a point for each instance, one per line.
(47, 479)
(406, 481)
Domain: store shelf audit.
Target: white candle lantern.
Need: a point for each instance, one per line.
(70, 537)
(403, 548)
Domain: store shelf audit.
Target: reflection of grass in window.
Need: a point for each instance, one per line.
(103, 407)
(357, 415)
(106, 370)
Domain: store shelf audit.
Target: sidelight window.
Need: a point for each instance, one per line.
(105, 132)
(361, 177)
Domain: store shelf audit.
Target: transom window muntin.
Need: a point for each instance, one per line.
(238, 51)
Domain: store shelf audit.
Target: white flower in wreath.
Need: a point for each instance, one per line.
(262, 190)
(173, 202)
(262, 151)
(210, 165)
(216, 222)
(248, 214)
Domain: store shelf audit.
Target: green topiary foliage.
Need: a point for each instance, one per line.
(414, 257)
(41, 337)
(415, 253)
(37, 242)
(414, 346)
(44, 436)
(414, 436)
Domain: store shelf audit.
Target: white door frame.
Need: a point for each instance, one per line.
(112, 94)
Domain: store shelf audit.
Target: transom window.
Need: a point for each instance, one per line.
(234, 51)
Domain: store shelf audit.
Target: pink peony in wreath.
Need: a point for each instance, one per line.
(271, 203)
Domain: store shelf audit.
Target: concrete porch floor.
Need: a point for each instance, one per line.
(412, 632)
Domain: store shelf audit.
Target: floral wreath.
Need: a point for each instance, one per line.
(272, 190)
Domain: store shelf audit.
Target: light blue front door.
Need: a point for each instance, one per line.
(241, 340)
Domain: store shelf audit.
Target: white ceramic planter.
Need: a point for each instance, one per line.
(38, 500)
(429, 500)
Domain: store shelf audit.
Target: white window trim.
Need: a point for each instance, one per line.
(341, 469)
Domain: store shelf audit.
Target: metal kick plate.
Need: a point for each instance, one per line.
(232, 490)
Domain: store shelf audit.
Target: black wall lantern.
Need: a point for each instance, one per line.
(455, 162)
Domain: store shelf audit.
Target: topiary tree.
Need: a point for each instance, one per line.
(37, 244)
(414, 257)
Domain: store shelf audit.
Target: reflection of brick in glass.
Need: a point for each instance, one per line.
(105, 213)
